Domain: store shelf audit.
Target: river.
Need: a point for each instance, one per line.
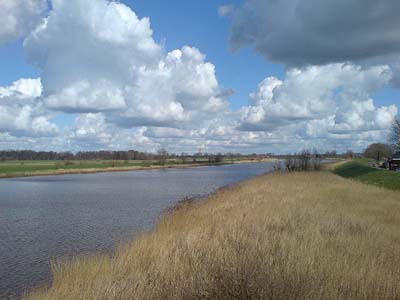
(52, 217)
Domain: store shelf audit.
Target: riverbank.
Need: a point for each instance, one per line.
(45, 168)
(279, 236)
(361, 171)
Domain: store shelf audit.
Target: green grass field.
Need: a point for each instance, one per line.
(359, 170)
(17, 168)
(11, 167)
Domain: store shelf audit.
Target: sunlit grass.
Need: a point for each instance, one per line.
(279, 236)
(360, 170)
(8, 167)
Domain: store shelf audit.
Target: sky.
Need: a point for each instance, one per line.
(214, 76)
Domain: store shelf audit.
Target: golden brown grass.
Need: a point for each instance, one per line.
(279, 236)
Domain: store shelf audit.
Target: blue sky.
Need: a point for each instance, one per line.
(320, 96)
(13, 65)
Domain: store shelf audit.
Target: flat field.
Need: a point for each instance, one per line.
(48, 167)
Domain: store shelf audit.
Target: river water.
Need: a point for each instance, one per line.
(51, 217)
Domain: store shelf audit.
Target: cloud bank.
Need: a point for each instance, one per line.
(331, 103)
(340, 92)
(101, 67)
(314, 32)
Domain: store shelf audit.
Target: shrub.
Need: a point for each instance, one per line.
(305, 161)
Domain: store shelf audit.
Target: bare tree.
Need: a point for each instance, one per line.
(378, 151)
(304, 161)
(162, 156)
(395, 134)
(184, 157)
(349, 154)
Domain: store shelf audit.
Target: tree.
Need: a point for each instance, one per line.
(184, 157)
(162, 156)
(215, 159)
(349, 154)
(395, 134)
(378, 151)
(331, 154)
(219, 158)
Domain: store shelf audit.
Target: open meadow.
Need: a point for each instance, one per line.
(26, 166)
(18, 168)
(279, 236)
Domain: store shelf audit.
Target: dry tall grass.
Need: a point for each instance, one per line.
(280, 236)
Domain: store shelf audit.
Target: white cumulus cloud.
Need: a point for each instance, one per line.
(19, 17)
(319, 105)
(98, 56)
(21, 112)
(316, 93)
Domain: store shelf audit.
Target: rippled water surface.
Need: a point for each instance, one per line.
(43, 218)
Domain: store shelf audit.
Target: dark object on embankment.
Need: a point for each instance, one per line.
(394, 162)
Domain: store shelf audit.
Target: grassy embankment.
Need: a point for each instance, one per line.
(278, 236)
(359, 170)
(52, 167)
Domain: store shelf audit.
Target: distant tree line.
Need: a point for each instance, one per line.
(84, 155)
(375, 151)
(320, 155)
(161, 156)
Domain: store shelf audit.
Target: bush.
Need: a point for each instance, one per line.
(216, 159)
(304, 161)
(146, 163)
(68, 163)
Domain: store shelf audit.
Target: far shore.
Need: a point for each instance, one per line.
(60, 172)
